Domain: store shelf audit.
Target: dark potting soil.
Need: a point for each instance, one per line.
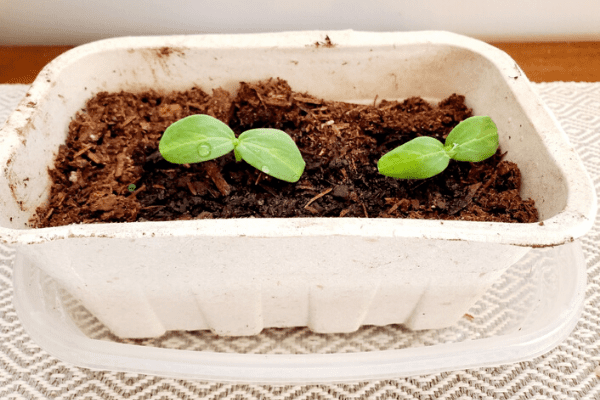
(110, 169)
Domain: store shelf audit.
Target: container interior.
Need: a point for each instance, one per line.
(349, 73)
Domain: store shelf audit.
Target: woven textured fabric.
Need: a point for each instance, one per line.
(570, 371)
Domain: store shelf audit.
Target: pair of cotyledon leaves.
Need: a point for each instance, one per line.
(473, 140)
(200, 138)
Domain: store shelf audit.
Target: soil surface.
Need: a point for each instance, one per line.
(110, 169)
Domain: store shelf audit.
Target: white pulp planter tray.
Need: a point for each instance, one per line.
(530, 310)
(237, 276)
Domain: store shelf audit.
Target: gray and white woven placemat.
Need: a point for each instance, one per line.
(570, 371)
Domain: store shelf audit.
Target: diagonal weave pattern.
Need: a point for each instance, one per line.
(568, 372)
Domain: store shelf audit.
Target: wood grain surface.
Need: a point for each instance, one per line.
(542, 61)
(561, 61)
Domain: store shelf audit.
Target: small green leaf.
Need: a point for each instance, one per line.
(420, 158)
(273, 152)
(195, 139)
(474, 139)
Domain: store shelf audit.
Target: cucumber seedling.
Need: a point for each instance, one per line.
(474, 139)
(200, 137)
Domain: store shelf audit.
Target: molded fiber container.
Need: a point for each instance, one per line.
(238, 276)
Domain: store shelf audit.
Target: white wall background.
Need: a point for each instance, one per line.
(80, 21)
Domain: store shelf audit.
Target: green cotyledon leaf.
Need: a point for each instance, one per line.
(273, 152)
(195, 139)
(420, 158)
(474, 139)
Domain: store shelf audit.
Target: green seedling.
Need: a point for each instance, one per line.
(199, 138)
(473, 140)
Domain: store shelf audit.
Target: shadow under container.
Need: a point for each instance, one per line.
(238, 276)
